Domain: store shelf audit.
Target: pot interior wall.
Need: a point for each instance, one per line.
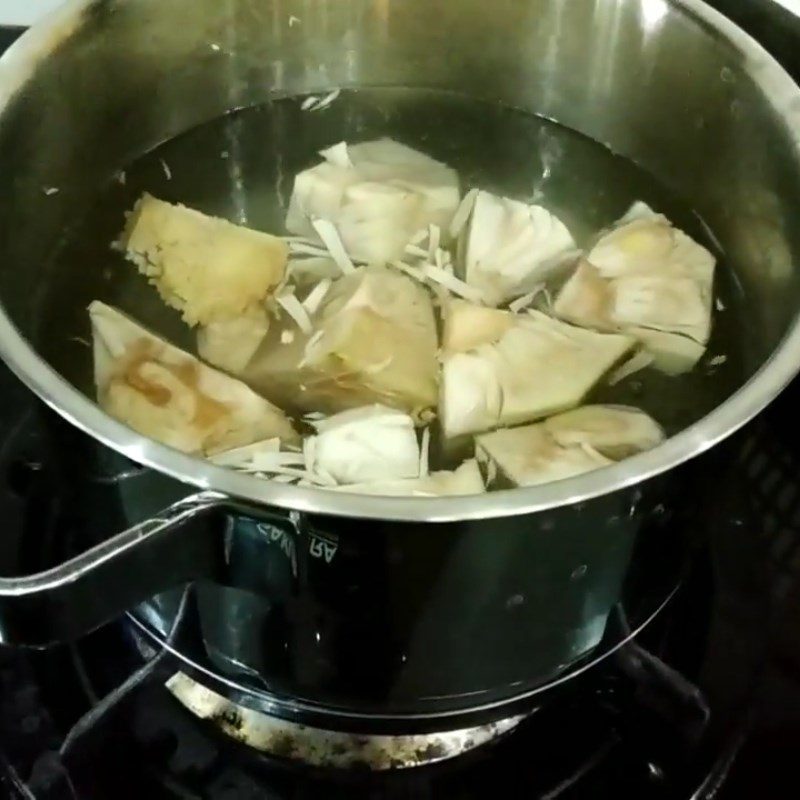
(647, 78)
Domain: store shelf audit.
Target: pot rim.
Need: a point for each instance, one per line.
(19, 62)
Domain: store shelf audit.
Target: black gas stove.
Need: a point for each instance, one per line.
(675, 713)
(703, 703)
(691, 708)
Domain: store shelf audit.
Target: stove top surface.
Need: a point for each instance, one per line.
(706, 703)
(691, 705)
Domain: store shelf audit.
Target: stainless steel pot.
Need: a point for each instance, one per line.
(672, 85)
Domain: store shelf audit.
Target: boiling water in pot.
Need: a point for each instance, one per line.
(242, 167)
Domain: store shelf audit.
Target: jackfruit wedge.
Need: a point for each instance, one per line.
(207, 268)
(528, 456)
(168, 395)
(568, 444)
(509, 247)
(467, 325)
(612, 430)
(364, 445)
(539, 367)
(374, 341)
(230, 343)
(651, 280)
(378, 194)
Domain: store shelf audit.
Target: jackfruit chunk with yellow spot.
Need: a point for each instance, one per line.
(207, 268)
(649, 279)
(170, 396)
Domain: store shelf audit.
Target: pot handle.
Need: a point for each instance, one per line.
(180, 544)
